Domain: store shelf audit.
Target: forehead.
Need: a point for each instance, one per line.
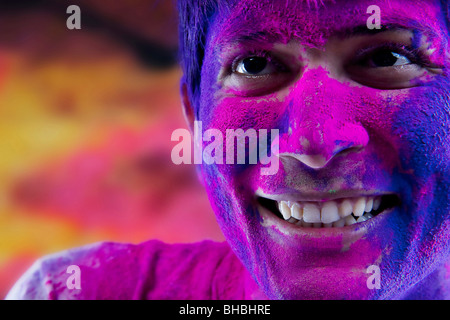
(313, 22)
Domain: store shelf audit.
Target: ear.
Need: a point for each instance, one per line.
(189, 115)
(188, 109)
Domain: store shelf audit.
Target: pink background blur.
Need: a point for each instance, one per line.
(85, 123)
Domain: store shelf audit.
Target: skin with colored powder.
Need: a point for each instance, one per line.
(359, 207)
(363, 117)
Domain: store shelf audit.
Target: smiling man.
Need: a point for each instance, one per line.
(363, 117)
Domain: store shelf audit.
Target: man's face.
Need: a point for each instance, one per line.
(363, 119)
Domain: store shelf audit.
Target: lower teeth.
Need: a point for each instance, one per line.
(347, 221)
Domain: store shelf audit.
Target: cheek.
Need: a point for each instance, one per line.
(235, 112)
(423, 123)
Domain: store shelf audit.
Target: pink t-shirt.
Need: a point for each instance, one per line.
(150, 270)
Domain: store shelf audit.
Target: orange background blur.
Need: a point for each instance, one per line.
(86, 118)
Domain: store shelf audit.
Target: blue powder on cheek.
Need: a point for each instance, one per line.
(423, 123)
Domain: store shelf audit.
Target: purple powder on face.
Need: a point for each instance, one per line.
(373, 139)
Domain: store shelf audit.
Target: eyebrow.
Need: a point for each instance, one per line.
(269, 36)
(363, 30)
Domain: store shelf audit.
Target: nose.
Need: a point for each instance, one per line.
(322, 122)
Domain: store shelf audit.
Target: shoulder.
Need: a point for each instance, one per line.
(49, 276)
(109, 270)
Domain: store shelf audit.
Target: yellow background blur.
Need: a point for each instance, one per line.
(85, 123)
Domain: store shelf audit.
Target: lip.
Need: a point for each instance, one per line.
(320, 197)
(320, 238)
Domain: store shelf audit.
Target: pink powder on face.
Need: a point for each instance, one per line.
(286, 20)
(363, 133)
(314, 120)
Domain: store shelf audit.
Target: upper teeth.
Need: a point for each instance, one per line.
(329, 213)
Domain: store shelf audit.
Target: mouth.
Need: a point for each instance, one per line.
(335, 213)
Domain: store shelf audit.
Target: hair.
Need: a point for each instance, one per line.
(194, 19)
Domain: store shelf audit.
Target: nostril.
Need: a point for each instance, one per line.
(316, 161)
(315, 144)
(345, 148)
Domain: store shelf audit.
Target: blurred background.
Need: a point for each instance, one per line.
(85, 123)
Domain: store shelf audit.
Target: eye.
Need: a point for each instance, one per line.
(385, 58)
(387, 67)
(254, 66)
(388, 58)
(259, 72)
